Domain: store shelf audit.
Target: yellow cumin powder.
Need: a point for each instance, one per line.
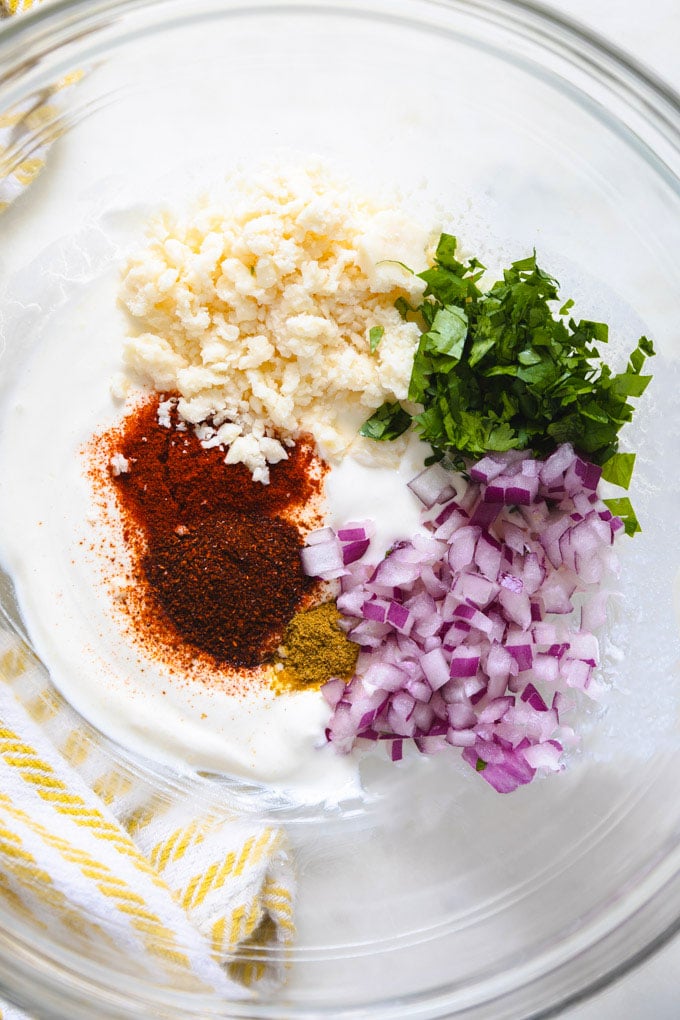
(314, 650)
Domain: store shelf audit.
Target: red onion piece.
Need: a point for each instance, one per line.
(320, 535)
(399, 617)
(323, 559)
(433, 485)
(372, 610)
(352, 551)
(435, 667)
(463, 664)
(354, 533)
(333, 691)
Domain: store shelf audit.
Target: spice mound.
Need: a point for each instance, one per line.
(315, 650)
(244, 574)
(216, 573)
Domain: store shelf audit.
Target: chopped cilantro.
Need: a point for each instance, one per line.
(480, 765)
(388, 422)
(499, 370)
(375, 335)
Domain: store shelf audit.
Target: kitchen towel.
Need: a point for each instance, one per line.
(17, 6)
(148, 876)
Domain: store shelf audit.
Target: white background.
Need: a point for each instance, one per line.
(650, 31)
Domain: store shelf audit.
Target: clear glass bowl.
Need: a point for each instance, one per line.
(441, 898)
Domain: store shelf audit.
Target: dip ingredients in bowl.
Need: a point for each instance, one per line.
(264, 580)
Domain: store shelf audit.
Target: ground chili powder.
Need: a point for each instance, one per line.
(231, 585)
(217, 554)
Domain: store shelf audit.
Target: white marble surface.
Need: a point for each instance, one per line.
(649, 31)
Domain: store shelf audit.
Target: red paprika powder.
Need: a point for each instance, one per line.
(217, 556)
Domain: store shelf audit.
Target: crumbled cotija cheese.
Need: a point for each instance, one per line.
(257, 313)
(119, 464)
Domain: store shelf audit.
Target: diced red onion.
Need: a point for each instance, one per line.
(546, 668)
(495, 709)
(383, 676)
(462, 547)
(485, 514)
(557, 464)
(511, 582)
(517, 607)
(486, 469)
(576, 672)
(531, 695)
(420, 691)
(501, 663)
(461, 738)
(375, 609)
(477, 590)
(452, 625)
(544, 755)
(487, 556)
(457, 634)
(462, 717)
(588, 473)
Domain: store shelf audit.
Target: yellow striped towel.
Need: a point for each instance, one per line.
(124, 870)
(17, 6)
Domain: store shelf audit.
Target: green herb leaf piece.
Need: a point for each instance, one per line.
(445, 254)
(388, 422)
(403, 307)
(623, 508)
(619, 469)
(480, 765)
(395, 262)
(448, 332)
(375, 335)
(598, 331)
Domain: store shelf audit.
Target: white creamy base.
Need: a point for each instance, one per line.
(47, 533)
(357, 492)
